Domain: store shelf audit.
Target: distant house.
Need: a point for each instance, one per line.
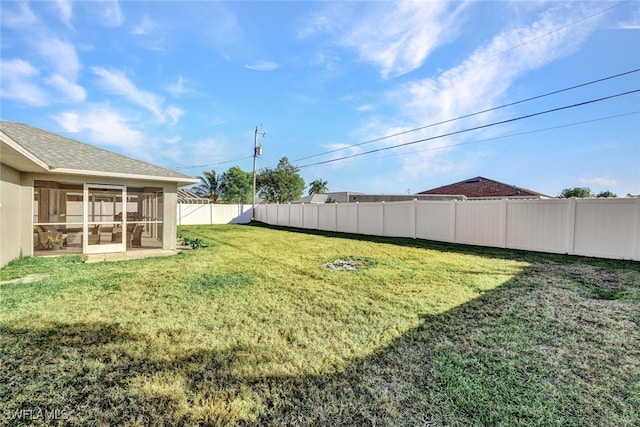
(59, 195)
(484, 188)
(335, 197)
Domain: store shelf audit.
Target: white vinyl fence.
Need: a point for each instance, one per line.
(605, 228)
(196, 214)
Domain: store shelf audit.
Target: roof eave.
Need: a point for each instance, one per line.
(178, 180)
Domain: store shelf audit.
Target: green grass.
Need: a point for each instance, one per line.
(253, 330)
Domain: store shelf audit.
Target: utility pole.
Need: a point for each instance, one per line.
(257, 151)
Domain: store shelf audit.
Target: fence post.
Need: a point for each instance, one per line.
(636, 253)
(571, 226)
(357, 217)
(335, 213)
(415, 218)
(505, 203)
(383, 230)
(455, 221)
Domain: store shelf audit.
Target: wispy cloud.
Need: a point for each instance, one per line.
(396, 37)
(632, 23)
(103, 125)
(178, 88)
(482, 80)
(66, 11)
(60, 55)
(599, 181)
(17, 83)
(118, 83)
(262, 66)
(53, 62)
(70, 90)
(111, 13)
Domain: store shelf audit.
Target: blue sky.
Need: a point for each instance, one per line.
(184, 84)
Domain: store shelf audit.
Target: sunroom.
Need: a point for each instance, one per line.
(59, 196)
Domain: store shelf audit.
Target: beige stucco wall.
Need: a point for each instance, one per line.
(11, 215)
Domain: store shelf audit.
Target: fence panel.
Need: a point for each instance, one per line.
(606, 227)
(193, 214)
(370, 219)
(295, 215)
(540, 225)
(310, 216)
(481, 222)
(436, 220)
(283, 215)
(327, 217)
(347, 217)
(399, 219)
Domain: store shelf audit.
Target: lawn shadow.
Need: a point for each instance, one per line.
(525, 353)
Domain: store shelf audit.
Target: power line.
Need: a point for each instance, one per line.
(472, 114)
(212, 164)
(442, 147)
(476, 127)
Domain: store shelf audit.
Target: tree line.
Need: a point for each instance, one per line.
(280, 184)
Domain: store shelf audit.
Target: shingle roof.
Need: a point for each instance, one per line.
(59, 152)
(483, 187)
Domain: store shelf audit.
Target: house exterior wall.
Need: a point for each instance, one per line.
(11, 215)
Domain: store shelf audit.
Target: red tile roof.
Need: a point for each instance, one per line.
(483, 187)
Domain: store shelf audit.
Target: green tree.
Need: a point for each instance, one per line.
(237, 186)
(209, 186)
(579, 192)
(282, 184)
(606, 194)
(318, 187)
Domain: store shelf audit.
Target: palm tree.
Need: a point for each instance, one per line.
(209, 187)
(318, 187)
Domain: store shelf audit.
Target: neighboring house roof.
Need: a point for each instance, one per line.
(30, 149)
(187, 196)
(480, 187)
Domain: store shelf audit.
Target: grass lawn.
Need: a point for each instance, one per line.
(254, 330)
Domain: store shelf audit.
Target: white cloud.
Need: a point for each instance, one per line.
(483, 79)
(103, 126)
(66, 11)
(62, 56)
(632, 22)
(178, 88)
(111, 13)
(174, 114)
(601, 182)
(116, 82)
(17, 83)
(145, 27)
(397, 37)
(262, 66)
(47, 52)
(69, 89)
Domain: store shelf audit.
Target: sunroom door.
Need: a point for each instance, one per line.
(104, 224)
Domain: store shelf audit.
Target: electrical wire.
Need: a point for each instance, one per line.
(477, 141)
(212, 164)
(475, 128)
(471, 114)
